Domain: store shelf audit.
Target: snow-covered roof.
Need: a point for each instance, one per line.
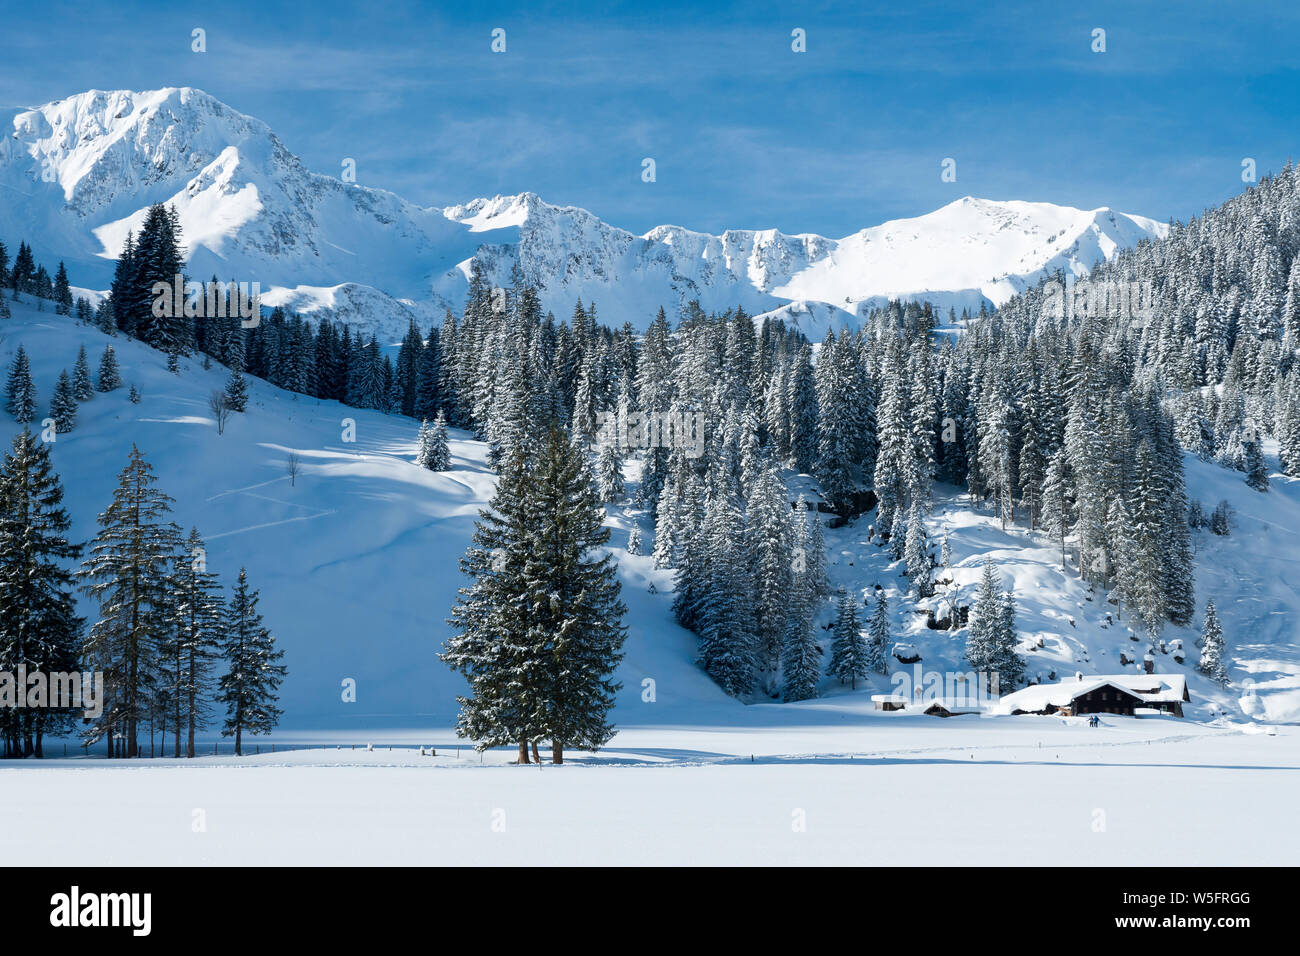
(888, 699)
(954, 705)
(1154, 687)
(1150, 688)
(1040, 696)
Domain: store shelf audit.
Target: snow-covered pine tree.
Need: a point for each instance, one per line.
(1057, 514)
(768, 540)
(878, 630)
(126, 573)
(634, 540)
(690, 554)
(802, 403)
(1256, 468)
(839, 421)
(39, 626)
(800, 658)
(725, 618)
(439, 458)
(248, 688)
(983, 635)
(20, 391)
(894, 455)
(609, 469)
(489, 645)
(1006, 660)
(816, 581)
(1120, 555)
(428, 395)
(1212, 664)
(63, 404)
(850, 656)
(917, 553)
(1148, 524)
(82, 388)
(575, 616)
(539, 631)
(422, 444)
(108, 377)
(62, 292)
(198, 635)
(236, 390)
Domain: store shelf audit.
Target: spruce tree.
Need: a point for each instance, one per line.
(490, 644)
(540, 630)
(878, 643)
(724, 620)
(802, 403)
(82, 389)
(917, 553)
(1212, 664)
(850, 655)
(20, 392)
(195, 643)
(774, 571)
(575, 614)
(609, 471)
(424, 445)
(893, 460)
(439, 451)
(62, 292)
(634, 540)
(236, 391)
(1256, 468)
(126, 573)
(1007, 662)
(108, 377)
(63, 405)
(800, 658)
(248, 688)
(991, 643)
(39, 626)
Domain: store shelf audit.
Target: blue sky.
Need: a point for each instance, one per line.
(744, 132)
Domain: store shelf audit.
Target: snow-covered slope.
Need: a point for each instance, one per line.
(1067, 628)
(77, 174)
(356, 561)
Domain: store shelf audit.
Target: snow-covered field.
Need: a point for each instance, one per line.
(884, 791)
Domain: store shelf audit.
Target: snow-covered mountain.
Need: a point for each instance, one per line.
(77, 174)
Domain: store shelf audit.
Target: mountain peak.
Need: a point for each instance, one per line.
(79, 173)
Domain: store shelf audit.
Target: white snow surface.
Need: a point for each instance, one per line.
(1009, 791)
(78, 173)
